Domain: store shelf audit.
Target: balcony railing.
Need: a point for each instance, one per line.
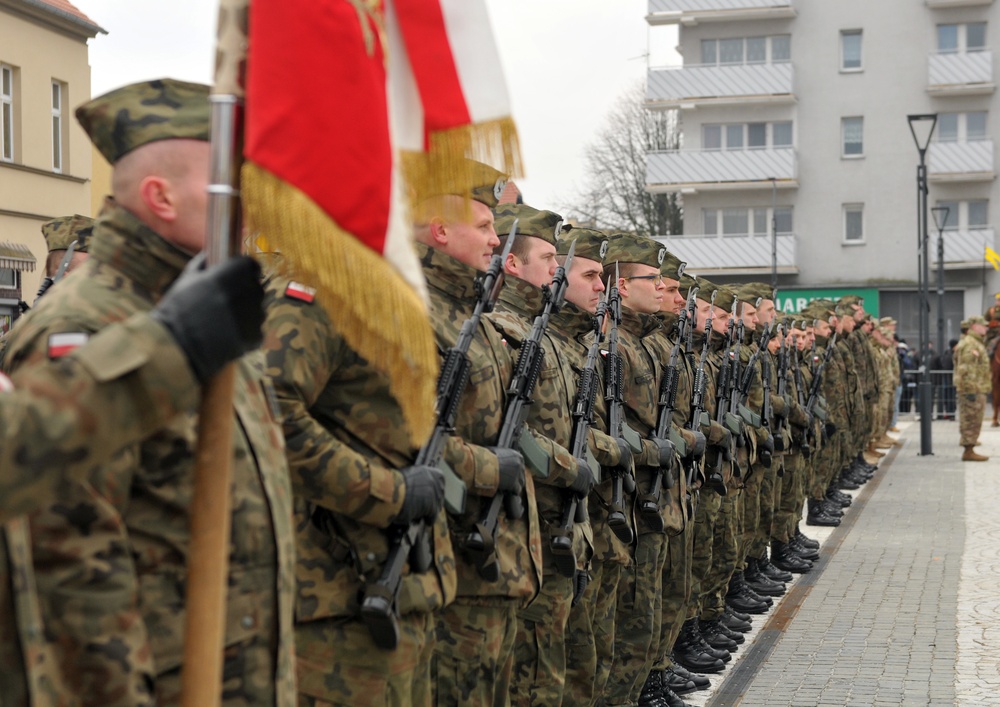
(681, 170)
(690, 86)
(963, 248)
(746, 255)
(957, 3)
(960, 161)
(960, 74)
(691, 12)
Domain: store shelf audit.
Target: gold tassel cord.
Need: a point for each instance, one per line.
(379, 314)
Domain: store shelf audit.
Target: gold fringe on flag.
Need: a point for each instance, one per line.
(379, 314)
(445, 168)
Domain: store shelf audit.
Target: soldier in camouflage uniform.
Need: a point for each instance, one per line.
(110, 556)
(591, 630)
(474, 655)
(350, 458)
(972, 384)
(60, 235)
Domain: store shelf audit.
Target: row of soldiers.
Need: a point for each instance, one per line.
(612, 491)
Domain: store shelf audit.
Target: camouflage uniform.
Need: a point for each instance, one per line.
(788, 509)
(473, 657)
(972, 384)
(346, 440)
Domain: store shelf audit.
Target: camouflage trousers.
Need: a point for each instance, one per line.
(750, 500)
(590, 636)
(724, 555)
(790, 498)
(770, 495)
(338, 664)
(702, 541)
(676, 593)
(539, 674)
(823, 469)
(474, 654)
(637, 621)
(970, 416)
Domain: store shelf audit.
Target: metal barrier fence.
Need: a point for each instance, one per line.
(944, 395)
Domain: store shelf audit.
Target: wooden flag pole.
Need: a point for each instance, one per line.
(208, 556)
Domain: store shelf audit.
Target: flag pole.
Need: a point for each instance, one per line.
(208, 556)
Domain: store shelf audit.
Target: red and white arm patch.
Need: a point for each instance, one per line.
(296, 290)
(6, 384)
(66, 342)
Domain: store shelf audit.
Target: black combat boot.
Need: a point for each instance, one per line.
(714, 636)
(848, 479)
(832, 509)
(700, 681)
(806, 553)
(652, 691)
(688, 651)
(742, 598)
(785, 559)
(760, 582)
(679, 684)
(817, 516)
(837, 496)
(769, 570)
(805, 540)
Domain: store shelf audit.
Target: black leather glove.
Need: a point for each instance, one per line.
(664, 452)
(698, 450)
(624, 454)
(511, 470)
(584, 481)
(831, 429)
(765, 451)
(215, 314)
(779, 442)
(423, 496)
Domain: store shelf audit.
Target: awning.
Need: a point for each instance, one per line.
(16, 256)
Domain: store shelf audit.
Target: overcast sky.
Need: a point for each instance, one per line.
(566, 62)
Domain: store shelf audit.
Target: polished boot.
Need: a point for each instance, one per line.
(716, 637)
(817, 516)
(742, 598)
(736, 620)
(805, 540)
(676, 683)
(832, 509)
(769, 570)
(806, 553)
(732, 635)
(971, 455)
(652, 694)
(839, 497)
(784, 558)
(761, 583)
(865, 466)
(700, 681)
(689, 651)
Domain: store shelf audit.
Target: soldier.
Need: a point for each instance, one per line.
(351, 463)
(972, 383)
(474, 654)
(66, 238)
(110, 557)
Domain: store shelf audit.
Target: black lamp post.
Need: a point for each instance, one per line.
(922, 127)
(940, 220)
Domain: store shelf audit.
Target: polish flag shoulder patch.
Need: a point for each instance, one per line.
(296, 290)
(66, 342)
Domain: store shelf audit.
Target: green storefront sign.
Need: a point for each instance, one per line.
(794, 301)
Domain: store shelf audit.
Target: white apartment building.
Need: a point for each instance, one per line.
(794, 118)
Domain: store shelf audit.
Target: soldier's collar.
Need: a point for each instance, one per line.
(522, 296)
(573, 320)
(447, 274)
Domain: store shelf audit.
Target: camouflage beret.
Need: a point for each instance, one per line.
(630, 248)
(886, 321)
(976, 319)
(590, 244)
(672, 267)
(752, 291)
(724, 297)
(140, 113)
(530, 221)
(844, 309)
(687, 282)
(852, 299)
(59, 233)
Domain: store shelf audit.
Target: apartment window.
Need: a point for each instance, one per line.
(6, 113)
(731, 51)
(951, 222)
(756, 135)
(947, 127)
(735, 222)
(852, 131)
(740, 136)
(783, 219)
(961, 127)
(781, 49)
(757, 50)
(854, 223)
(710, 217)
(746, 50)
(975, 126)
(781, 134)
(734, 136)
(57, 126)
(850, 50)
(968, 215)
(953, 39)
(979, 214)
(746, 221)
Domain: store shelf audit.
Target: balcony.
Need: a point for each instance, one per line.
(718, 170)
(692, 12)
(946, 4)
(695, 86)
(961, 161)
(733, 255)
(963, 249)
(960, 74)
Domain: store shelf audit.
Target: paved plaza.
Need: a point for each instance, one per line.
(903, 607)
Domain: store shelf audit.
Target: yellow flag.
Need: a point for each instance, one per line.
(993, 257)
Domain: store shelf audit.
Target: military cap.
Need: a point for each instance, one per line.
(141, 113)
(844, 309)
(852, 299)
(976, 319)
(687, 282)
(630, 248)
(752, 291)
(821, 313)
(886, 321)
(530, 221)
(60, 232)
(590, 244)
(724, 297)
(672, 267)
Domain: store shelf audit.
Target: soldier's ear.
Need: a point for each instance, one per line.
(439, 231)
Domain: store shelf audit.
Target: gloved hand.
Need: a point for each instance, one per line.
(765, 451)
(215, 314)
(779, 442)
(831, 429)
(624, 455)
(511, 470)
(696, 450)
(423, 494)
(663, 454)
(584, 481)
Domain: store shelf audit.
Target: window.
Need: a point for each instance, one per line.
(731, 51)
(756, 135)
(975, 37)
(734, 137)
(850, 50)
(954, 39)
(746, 50)
(966, 215)
(947, 36)
(711, 137)
(852, 130)
(781, 134)
(961, 127)
(8, 278)
(979, 216)
(947, 127)
(734, 222)
(783, 219)
(6, 113)
(709, 51)
(710, 217)
(951, 222)
(745, 221)
(57, 127)
(757, 50)
(975, 126)
(740, 136)
(854, 223)
(781, 49)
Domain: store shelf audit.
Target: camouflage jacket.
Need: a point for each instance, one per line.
(851, 376)
(110, 556)
(713, 365)
(833, 383)
(451, 286)
(972, 366)
(549, 420)
(346, 440)
(573, 330)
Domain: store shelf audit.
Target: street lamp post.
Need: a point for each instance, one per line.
(940, 220)
(922, 127)
(774, 234)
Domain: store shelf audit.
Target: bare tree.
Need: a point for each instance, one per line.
(615, 196)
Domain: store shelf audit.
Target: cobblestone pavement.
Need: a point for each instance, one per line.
(903, 607)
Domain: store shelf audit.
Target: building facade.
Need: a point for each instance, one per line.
(45, 158)
(796, 146)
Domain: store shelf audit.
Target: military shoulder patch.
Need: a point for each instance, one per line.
(296, 290)
(66, 342)
(6, 385)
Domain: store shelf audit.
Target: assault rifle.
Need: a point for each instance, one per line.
(814, 394)
(378, 606)
(574, 507)
(614, 382)
(779, 426)
(48, 282)
(800, 395)
(724, 394)
(713, 479)
(481, 542)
